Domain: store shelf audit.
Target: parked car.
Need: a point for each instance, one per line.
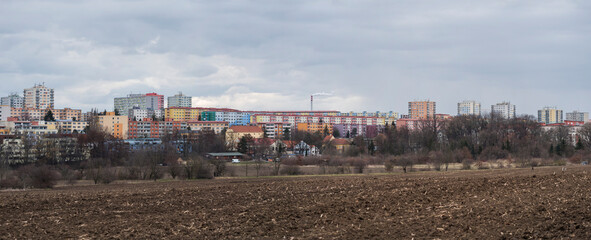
(235, 160)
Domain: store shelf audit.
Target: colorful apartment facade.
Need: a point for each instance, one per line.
(182, 114)
(550, 115)
(294, 119)
(149, 128)
(422, 109)
(116, 125)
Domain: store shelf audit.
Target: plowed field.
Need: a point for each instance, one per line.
(487, 204)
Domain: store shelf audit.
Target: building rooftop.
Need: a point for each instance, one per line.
(246, 129)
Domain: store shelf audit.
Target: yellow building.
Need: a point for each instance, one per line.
(71, 126)
(182, 114)
(117, 126)
(550, 115)
(235, 133)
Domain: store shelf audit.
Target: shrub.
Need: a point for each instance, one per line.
(389, 165)
(107, 176)
(44, 177)
(11, 182)
(290, 170)
(219, 167)
(482, 165)
(437, 165)
(68, 174)
(198, 169)
(358, 164)
(467, 164)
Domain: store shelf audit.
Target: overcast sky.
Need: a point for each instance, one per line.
(271, 55)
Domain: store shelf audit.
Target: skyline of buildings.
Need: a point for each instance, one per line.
(144, 115)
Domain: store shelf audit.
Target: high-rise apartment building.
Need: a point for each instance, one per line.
(38, 97)
(4, 112)
(469, 108)
(180, 100)
(13, 101)
(151, 101)
(421, 109)
(505, 110)
(550, 115)
(577, 116)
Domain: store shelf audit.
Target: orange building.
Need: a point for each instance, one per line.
(315, 127)
(421, 110)
(117, 126)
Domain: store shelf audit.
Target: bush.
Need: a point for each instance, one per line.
(482, 165)
(219, 167)
(44, 177)
(68, 174)
(11, 182)
(467, 164)
(389, 165)
(107, 176)
(358, 164)
(290, 170)
(197, 169)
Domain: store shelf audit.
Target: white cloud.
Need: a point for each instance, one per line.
(375, 55)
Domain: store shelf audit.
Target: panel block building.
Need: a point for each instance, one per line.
(421, 109)
(152, 101)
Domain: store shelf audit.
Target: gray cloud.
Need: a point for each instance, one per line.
(374, 55)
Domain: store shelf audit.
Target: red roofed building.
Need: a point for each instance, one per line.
(235, 133)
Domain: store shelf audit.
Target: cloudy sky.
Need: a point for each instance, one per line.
(271, 55)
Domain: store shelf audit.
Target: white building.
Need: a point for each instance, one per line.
(137, 114)
(504, 109)
(4, 112)
(469, 108)
(14, 101)
(233, 117)
(38, 97)
(153, 101)
(577, 116)
(180, 100)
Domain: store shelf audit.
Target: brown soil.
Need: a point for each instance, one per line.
(488, 204)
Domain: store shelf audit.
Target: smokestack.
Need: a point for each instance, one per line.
(311, 102)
